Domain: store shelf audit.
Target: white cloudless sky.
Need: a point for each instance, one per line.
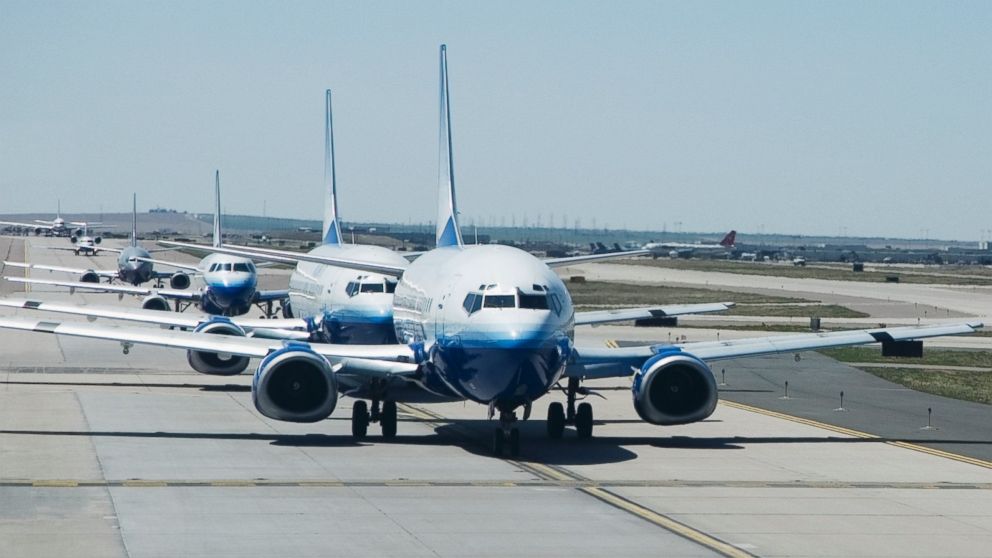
(807, 118)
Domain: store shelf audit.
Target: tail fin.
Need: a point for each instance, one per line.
(448, 232)
(217, 233)
(58, 211)
(332, 229)
(729, 240)
(134, 219)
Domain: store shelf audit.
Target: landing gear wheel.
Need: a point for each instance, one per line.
(583, 420)
(387, 419)
(359, 420)
(498, 438)
(556, 420)
(514, 440)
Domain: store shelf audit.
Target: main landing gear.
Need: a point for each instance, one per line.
(361, 417)
(581, 417)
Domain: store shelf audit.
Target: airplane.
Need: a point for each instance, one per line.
(230, 282)
(133, 266)
(490, 324)
(55, 227)
(686, 249)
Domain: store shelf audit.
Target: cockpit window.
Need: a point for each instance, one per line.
(213, 267)
(555, 303)
(226, 267)
(473, 303)
(372, 288)
(538, 301)
(242, 267)
(500, 301)
(352, 288)
(390, 286)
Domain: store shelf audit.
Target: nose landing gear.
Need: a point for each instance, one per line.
(506, 436)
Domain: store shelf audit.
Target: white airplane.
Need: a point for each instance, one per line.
(133, 265)
(684, 249)
(55, 227)
(484, 323)
(230, 282)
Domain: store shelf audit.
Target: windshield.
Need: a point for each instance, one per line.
(500, 301)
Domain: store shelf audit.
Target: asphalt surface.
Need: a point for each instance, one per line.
(103, 454)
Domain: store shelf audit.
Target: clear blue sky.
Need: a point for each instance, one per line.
(869, 117)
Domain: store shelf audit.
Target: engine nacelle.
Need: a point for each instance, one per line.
(674, 388)
(155, 302)
(179, 280)
(97, 240)
(39, 230)
(295, 384)
(89, 276)
(218, 364)
(73, 239)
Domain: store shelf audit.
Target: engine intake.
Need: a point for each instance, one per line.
(218, 364)
(89, 276)
(674, 388)
(295, 384)
(179, 280)
(155, 302)
(97, 240)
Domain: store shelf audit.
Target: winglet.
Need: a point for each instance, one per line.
(134, 219)
(332, 229)
(448, 232)
(217, 233)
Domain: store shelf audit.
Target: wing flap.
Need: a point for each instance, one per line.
(627, 314)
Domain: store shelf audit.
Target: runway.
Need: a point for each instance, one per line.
(103, 454)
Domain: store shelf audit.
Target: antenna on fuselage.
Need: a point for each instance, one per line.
(134, 219)
(447, 232)
(217, 233)
(332, 229)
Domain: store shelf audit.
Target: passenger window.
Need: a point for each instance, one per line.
(500, 301)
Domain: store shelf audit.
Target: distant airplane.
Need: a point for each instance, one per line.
(685, 249)
(230, 282)
(55, 227)
(487, 323)
(133, 264)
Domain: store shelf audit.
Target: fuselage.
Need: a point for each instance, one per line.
(497, 324)
(351, 306)
(132, 270)
(230, 284)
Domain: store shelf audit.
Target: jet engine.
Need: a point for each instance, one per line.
(89, 276)
(38, 231)
(97, 240)
(218, 364)
(73, 239)
(179, 280)
(295, 384)
(155, 302)
(674, 388)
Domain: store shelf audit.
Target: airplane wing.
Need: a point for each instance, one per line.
(627, 314)
(602, 362)
(188, 320)
(107, 288)
(99, 272)
(39, 225)
(293, 258)
(359, 360)
(572, 260)
(265, 296)
(177, 265)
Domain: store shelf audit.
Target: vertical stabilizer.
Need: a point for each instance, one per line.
(448, 232)
(58, 211)
(134, 219)
(332, 229)
(217, 232)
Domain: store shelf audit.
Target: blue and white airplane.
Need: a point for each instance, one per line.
(488, 324)
(56, 227)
